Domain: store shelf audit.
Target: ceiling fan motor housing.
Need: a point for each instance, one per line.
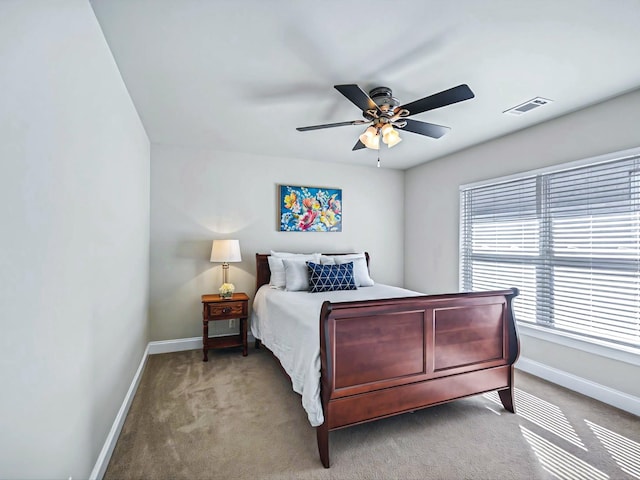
(383, 97)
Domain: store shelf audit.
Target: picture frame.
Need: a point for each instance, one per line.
(309, 209)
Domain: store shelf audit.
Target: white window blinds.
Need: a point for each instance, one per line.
(569, 240)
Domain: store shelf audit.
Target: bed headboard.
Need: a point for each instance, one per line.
(263, 274)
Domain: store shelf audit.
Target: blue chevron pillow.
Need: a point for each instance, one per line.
(326, 278)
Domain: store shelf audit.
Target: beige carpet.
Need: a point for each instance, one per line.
(236, 417)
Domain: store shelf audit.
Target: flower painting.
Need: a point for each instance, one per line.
(310, 209)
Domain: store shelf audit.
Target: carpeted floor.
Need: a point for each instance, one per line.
(237, 417)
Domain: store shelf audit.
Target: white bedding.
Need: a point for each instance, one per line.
(288, 322)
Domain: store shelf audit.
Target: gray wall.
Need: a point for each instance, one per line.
(199, 195)
(74, 247)
(431, 197)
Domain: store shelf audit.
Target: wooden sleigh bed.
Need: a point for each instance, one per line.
(386, 357)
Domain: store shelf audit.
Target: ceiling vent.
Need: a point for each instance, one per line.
(528, 106)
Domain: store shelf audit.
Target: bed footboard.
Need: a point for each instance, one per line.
(385, 357)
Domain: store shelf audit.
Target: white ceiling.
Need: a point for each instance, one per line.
(240, 75)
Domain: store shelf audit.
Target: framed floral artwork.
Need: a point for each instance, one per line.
(310, 209)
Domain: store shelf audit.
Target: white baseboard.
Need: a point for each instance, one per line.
(102, 462)
(179, 345)
(607, 395)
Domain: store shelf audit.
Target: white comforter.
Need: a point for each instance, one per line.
(288, 322)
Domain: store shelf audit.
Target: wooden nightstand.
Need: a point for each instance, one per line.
(214, 308)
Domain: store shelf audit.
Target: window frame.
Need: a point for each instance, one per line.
(600, 346)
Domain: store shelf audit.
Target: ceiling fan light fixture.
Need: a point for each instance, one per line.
(392, 138)
(370, 138)
(368, 134)
(386, 129)
(374, 143)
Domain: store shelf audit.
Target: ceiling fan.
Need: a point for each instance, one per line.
(382, 111)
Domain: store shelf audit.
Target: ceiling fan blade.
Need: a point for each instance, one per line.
(357, 96)
(331, 125)
(442, 99)
(423, 128)
(359, 145)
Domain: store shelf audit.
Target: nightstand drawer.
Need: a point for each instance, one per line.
(227, 309)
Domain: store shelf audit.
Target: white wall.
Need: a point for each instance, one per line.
(74, 242)
(199, 195)
(432, 226)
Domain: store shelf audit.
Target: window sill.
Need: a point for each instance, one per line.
(615, 352)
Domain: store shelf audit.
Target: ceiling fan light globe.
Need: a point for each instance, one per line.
(389, 134)
(372, 142)
(392, 139)
(370, 138)
(371, 132)
(368, 134)
(366, 138)
(386, 129)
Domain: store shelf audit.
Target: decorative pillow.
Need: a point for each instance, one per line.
(296, 274)
(278, 279)
(360, 269)
(327, 278)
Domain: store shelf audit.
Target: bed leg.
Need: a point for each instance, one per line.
(322, 432)
(506, 397)
(257, 344)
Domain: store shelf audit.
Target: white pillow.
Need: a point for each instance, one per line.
(326, 260)
(278, 278)
(288, 254)
(360, 269)
(276, 266)
(296, 274)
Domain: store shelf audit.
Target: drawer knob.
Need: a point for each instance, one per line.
(226, 310)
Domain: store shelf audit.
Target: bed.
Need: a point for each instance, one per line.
(361, 355)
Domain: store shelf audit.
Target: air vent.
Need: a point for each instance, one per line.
(528, 106)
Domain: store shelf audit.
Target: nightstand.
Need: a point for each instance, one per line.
(215, 308)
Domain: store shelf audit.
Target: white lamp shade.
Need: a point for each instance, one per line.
(225, 251)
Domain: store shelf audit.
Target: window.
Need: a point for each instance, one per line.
(569, 239)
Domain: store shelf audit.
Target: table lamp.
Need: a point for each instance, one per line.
(225, 251)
